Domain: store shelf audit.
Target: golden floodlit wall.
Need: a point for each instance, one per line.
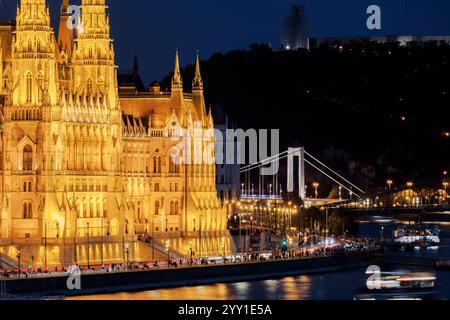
(77, 158)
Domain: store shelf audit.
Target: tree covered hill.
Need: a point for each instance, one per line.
(375, 111)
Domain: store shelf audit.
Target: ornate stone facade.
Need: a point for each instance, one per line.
(77, 158)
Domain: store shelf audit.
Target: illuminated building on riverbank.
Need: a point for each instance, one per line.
(77, 158)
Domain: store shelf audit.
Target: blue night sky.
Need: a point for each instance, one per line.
(154, 28)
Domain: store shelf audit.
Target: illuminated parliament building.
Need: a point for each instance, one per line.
(77, 156)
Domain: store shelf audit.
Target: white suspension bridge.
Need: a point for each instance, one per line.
(270, 188)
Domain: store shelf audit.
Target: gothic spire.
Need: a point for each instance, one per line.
(197, 82)
(65, 34)
(64, 5)
(135, 65)
(177, 81)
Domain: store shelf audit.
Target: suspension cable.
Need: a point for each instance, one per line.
(335, 172)
(349, 190)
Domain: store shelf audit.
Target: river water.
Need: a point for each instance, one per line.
(343, 285)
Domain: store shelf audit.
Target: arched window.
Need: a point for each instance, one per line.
(91, 209)
(156, 164)
(177, 208)
(79, 209)
(40, 86)
(101, 85)
(89, 87)
(91, 53)
(156, 208)
(174, 167)
(98, 208)
(27, 210)
(139, 211)
(27, 158)
(38, 45)
(30, 45)
(29, 85)
(104, 208)
(172, 208)
(85, 209)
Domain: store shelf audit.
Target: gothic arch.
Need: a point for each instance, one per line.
(27, 210)
(29, 86)
(24, 142)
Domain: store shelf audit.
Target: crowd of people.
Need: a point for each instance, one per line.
(304, 252)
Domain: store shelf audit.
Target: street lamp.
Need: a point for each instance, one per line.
(316, 186)
(410, 184)
(127, 251)
(89, 244)
(153, 238)
(168, 253)
(146, 228)
(18, 258)
(223, 249)
(45, 243)
(190, 253)
(389, 183)
(445, 184)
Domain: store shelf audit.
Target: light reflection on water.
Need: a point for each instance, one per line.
(342, 285)
(290, 288)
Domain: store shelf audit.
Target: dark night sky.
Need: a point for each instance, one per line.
(154, 28)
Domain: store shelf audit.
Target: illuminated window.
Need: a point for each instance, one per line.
(91, 209)
(27, 210)
(101, 85)
(27, 158)
(85, 209)
(174, 167)
(40, 86)
(156, 208)
(27, 186)
(89, 87)
(139, 211)
(29, 85)
(104, 208)
(156, 164)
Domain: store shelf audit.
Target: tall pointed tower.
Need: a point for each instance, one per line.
(31, 126)
(93, 56)
(197, 92)
(65, 34)
(94, 127)
(33, 58)
(177, 87)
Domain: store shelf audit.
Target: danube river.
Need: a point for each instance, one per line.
(343, 285)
